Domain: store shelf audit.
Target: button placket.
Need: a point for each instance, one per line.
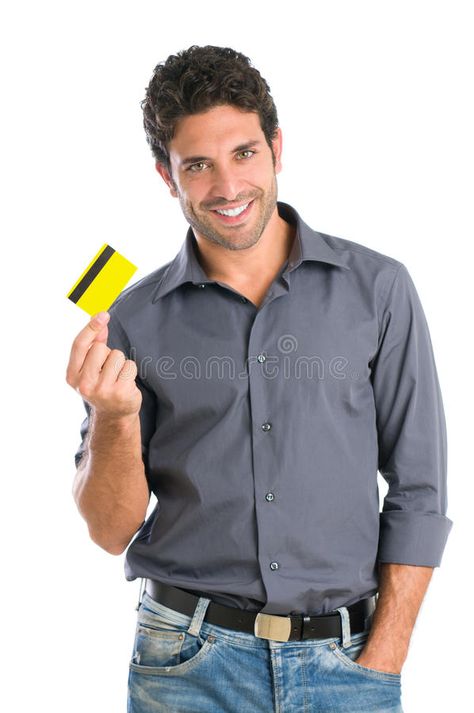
(261, 388)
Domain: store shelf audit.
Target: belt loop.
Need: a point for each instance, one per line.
(198, 616)
(140, 592)
(346, 626)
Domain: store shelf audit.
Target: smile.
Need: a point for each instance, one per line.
(234, 215)
(233, 211)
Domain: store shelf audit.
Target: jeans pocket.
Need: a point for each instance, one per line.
(348, 656)
(165, 647)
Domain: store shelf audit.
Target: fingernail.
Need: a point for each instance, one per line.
(101, 317)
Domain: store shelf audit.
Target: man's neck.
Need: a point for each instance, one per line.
(251, 267)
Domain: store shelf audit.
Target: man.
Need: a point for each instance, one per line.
(272, 371)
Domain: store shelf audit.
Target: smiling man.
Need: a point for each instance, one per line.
(256, 384)
(228, 194)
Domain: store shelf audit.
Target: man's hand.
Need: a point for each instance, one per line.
(103, 376)
(401, 591)
(381, 661)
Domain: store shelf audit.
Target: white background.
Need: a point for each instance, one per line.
(375, 105)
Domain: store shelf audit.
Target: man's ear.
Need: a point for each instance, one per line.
(164, 173)
(277, 143)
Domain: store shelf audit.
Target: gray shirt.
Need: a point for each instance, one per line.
(263, 428)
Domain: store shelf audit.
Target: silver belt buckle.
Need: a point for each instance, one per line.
(271, 626)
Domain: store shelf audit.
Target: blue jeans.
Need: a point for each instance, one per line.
(182, 664)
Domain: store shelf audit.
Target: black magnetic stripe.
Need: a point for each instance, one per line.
(91, 274)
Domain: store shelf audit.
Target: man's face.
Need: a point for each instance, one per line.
(220, 160)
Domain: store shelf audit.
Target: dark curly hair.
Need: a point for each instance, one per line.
(198, 79)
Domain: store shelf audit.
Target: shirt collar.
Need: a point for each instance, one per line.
(307, 245)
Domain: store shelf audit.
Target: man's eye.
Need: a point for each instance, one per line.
(247, 151)
(193, 168)
(200, 165)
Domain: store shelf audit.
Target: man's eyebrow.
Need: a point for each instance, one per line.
(241, 147)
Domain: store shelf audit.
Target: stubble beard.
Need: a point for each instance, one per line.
(243, 238)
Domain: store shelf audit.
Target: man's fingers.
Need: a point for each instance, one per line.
(112, 367)
(95, 330)
(102, 335)
(96, 323)
(102, 370)
(94, 362)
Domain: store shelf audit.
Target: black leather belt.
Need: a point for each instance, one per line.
(294, 627)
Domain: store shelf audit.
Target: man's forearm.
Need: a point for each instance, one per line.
(401, 591)
(110, 488)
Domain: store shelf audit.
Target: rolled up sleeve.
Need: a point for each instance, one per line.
(411, 431)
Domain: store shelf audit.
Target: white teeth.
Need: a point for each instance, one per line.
(233, 211)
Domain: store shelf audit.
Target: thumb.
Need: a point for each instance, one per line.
(98, 324)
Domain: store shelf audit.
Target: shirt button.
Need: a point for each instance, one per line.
(274, 565)
(201, 285)
(266, 426)
(261, 358)
(269, 497)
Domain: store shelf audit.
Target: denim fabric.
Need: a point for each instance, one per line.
(182, 664)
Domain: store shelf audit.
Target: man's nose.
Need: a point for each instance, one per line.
(226, 183)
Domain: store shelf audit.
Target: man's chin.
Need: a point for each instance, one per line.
(239, 242)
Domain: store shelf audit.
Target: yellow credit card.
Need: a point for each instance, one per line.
(102, 281)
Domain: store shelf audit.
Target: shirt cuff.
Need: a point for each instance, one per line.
(409, 537)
